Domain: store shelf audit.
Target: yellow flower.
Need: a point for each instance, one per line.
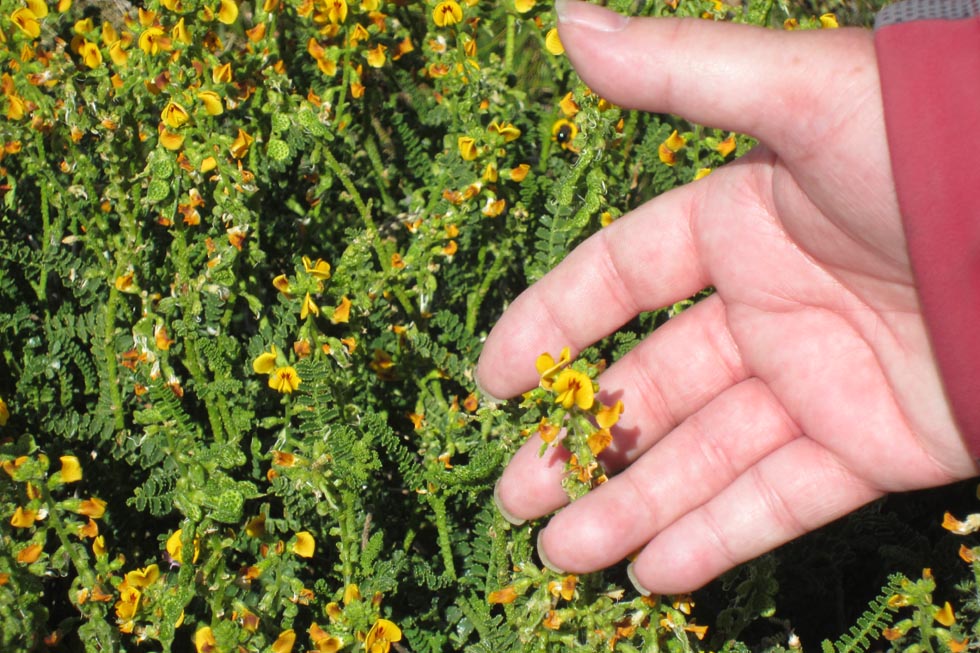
(945, 615)
(228, 12)
(324, 641)
(447, 13)
(564, 132)
(666, 155)
(29, 554)
(284, 379)
(143, 577)
(180, 34)
(341, 314)
(284, 643)
(675, 142)
(204, 640)
(117, 54)
(26, 21)
(524, 6)
(336, 11)
(519, 173)
(829, 21)
(309, 307)
(547, 431)
(221, 74)
(727, 146)
(351, 593)
(98, 546)
(574, 388)
(548, 367)
(376, 56)
(304, 546)
(239, 148)
(702, 173)
(170, 140)
(599, 440)
(266, 361)
(569, 107)
(505, 129)
(38, 7)
(467, 148)
(383, 632)
(318, 270)
(552, 42)
(4, 413)
(90, 54)
(176, 548)
(564, 588)
(93, 507)
(504, 595)
(609, 415)
(71, 469)
(23, 518)
(153, 40)
(174, 115)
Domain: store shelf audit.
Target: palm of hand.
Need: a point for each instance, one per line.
(802, 389)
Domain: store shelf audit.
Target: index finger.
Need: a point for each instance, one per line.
(606, 281)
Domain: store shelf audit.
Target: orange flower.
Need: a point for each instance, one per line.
(574, 388)
(504, 595)
(341, 314)
(239, 147)
(381, 635)
(29, 554)
(92, 507)
(23, 518)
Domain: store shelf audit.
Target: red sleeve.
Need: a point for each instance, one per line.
(929, 61)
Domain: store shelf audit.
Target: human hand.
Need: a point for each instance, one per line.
(804, 386)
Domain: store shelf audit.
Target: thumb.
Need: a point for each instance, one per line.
(763, 82)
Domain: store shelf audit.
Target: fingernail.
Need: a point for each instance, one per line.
(511, 519)
(589, 16)
(544, 559)
(631, 574)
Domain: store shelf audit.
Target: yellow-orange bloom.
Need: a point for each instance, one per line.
(266, 361)
(212, 103)
(93, 507)
(29, 554)
(945, 615)
(204, 640)
(447, 13)
(598, 441)
(305, 545)
(221, 74)
(228, 12)
(519, 173)
(284, 379)
(505, 129)
(467, 148)
(318, 270)
(38, 7)
(829, 21)
(26, 21)
(239, 147)
(154, 40)
(90, 54)
(284, 643)
(180, 33)
(23, 518)
(341, 314)
(548, 367)
(552, 42)
(504, 595)
(524, 6)
(71, 469)
(143, 577)
(309, 307)
(609, 415)
(174, 115)
(336, 11)
(381, 635)
(574, 388)
(376, 57)
(175, 546)
(4, 413)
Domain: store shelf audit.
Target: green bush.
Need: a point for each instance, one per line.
(249, 252)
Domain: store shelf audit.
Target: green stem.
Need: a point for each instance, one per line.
(84, 571)
(476, 298)
(109, 351)
(383, 252)
(509, 43)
